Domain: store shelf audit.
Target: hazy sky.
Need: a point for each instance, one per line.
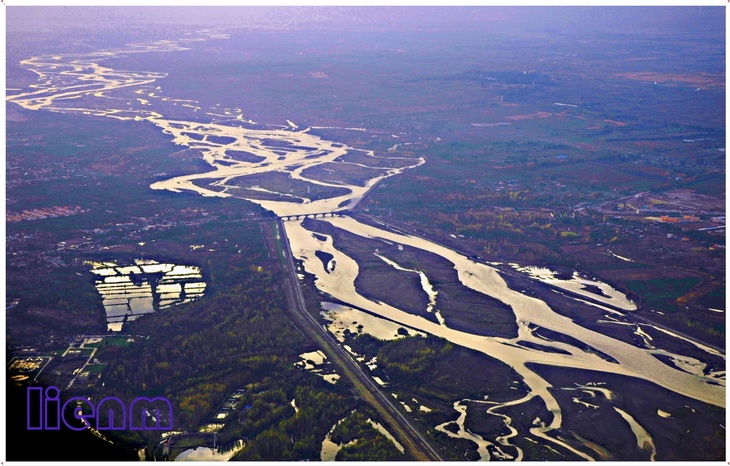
(573, 19)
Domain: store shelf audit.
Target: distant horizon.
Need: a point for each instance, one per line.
(580, 19)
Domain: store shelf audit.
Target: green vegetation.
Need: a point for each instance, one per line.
(715, 298)
(362, 442)
(411, 358)
(95, 368)
(662, 293)
(292, 436)
(422, 366)
(116, 341)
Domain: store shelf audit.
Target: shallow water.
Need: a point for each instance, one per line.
(482, 444)
(329, 449)
(345, 319)
(643, 439)
(387, 434)
(578, 284)
(209, 454)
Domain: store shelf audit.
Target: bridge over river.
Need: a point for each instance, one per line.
(315, 215)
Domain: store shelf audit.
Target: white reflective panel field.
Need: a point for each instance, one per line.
(128, 291)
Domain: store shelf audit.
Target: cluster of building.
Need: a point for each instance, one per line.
(45, 212)
(683, 218)
(223, 413)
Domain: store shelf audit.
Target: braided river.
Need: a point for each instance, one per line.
(292, 172)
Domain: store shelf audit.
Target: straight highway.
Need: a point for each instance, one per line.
(408, 436)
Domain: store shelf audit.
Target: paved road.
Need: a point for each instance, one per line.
(411, 439)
